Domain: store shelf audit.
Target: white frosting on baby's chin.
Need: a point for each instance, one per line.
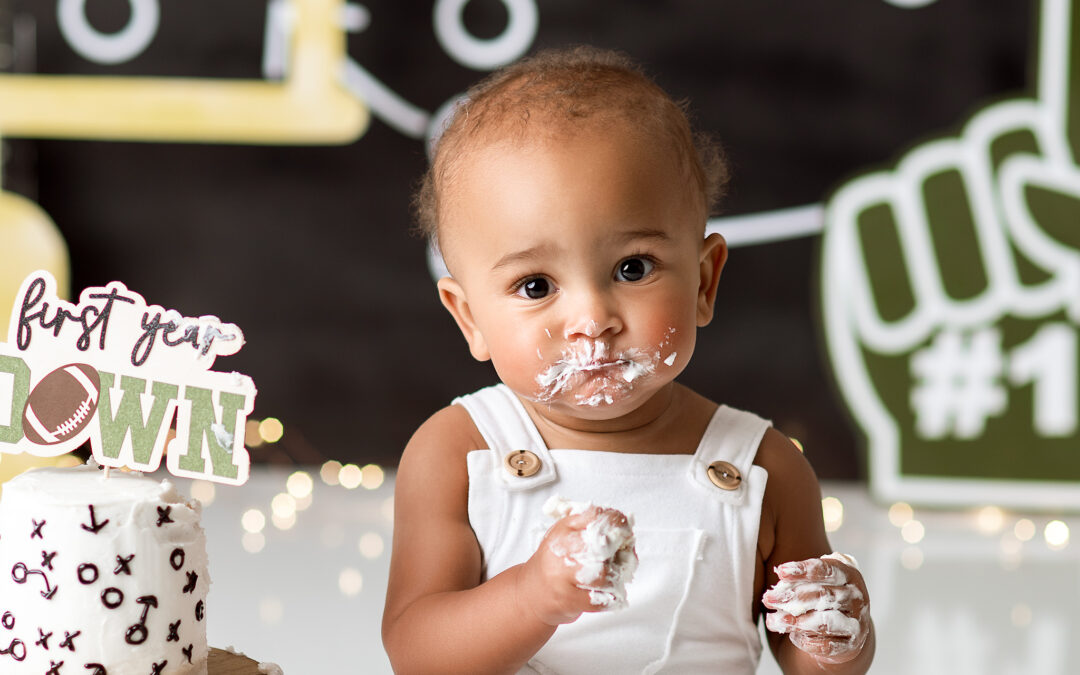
(608, 546)
(87, 574)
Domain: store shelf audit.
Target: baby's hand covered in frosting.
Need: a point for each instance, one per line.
(822, 605)
(583, 563)
(605, 558)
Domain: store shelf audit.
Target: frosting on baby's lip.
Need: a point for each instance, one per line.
(617, 375)
(597, 365)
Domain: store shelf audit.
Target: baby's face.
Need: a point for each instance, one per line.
(577, 268)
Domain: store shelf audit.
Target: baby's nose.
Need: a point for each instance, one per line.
(592, 315)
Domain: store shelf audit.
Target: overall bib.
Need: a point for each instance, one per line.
(691, 600)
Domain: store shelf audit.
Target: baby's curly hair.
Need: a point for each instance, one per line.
(568, 86)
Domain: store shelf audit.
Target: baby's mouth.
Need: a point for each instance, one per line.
(598, 365)
(586, 371)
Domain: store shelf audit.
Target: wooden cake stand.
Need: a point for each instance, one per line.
(223, 662)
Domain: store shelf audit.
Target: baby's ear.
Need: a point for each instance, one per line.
(713, 257)
(453, 299)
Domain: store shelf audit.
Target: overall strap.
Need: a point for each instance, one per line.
(723, 461)
(518, 453)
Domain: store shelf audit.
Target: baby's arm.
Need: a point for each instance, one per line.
(822, 622)
(438, 616)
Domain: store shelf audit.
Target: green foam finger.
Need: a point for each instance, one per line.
(886, 268)
(949, 298)
(952, 231)
(1060, 62)
(1057, 213)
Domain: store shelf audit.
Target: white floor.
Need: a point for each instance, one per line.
(978, 592)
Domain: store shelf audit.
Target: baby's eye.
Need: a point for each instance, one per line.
(634, 269)
(535, 288)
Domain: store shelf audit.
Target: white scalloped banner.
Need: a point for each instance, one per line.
(135, 379)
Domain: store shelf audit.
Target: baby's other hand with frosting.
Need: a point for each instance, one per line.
(822, 605)
(583, 563)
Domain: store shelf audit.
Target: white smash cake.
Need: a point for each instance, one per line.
(100, 575)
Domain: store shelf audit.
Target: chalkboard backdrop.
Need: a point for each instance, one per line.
(308, 247)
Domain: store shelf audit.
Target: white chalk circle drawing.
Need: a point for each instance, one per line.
(478, 54)
(105, 48)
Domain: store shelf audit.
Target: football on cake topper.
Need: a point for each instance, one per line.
(116, 371)
(61, 404)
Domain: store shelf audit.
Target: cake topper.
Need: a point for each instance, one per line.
(116, 370)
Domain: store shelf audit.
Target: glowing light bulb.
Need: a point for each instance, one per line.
(330, 471)
(1056, 534)
(832, 510)
(990, 520)
(350, 581)
(252, 438)
(253, 521)
(271, 429)
(372, 477)
(912, 532)
(1024, 529)
(351, 476)
(283, 505)
(283, 522)
(300, 484)
(900, 513)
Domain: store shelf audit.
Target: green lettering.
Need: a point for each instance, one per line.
(129, 416)
(201, 433)
(13, 433)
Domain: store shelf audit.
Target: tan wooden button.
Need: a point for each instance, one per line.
(522, 463)
(724, 475)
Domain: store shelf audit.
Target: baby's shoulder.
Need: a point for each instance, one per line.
(432, 469)
(787, 466)
(791, 519)
(443, 438)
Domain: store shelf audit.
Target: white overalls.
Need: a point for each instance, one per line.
(690, 603)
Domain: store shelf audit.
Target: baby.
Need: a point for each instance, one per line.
(568, 197)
